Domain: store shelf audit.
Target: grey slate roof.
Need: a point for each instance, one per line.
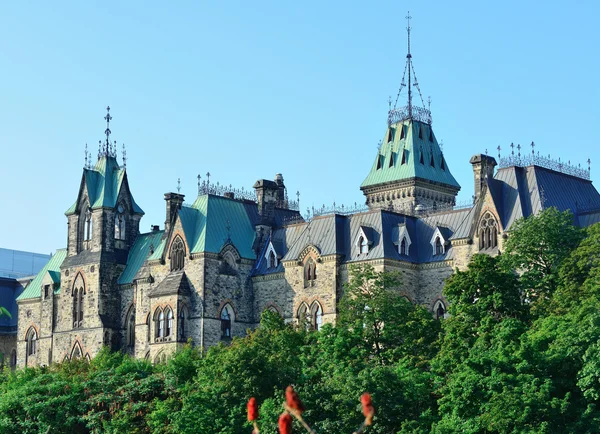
(175, 283)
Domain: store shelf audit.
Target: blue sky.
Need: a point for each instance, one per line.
(248, 89)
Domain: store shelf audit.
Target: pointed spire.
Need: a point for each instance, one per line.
(397, 114)
(107, 118)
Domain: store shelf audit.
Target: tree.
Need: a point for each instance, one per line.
(537, 247)
(4, 312)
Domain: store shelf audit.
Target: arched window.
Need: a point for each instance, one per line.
(148, 328)
(77, 294)
(310, 272)
(159, 323)
(439, 248)
(31, 346)
(303, 318)
(226, 315)
(439, 310)
(89, 225)
(120, 223)
(272, 262)
(404, 247)
(363, 245)
(316, 316)
(488, 232)
(76, 351)
(169, 324)
(181, 324)
(130, 328)
(177, 254)
(13, 359)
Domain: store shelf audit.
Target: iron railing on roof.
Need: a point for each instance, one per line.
(409, 112)
(546, 162)
(206, 187)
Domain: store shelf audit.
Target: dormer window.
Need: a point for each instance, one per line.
(432, 161)
(390, 137)
(380, 159)
(391, 160)
(402, 135)
(271, 257)
(439, 248)
(422, 160)
(421, 133)
(402, 240)
(430, 135)
(363, 245)
(177, 254)
(443, 164)
(488, 232)
(403, 157)
(310, 272)
(438, 241)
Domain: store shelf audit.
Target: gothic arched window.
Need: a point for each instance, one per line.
(303, 318)
(316, 316)
(31, 346)
(272, 262)
(363, 245)
(439, 310)
(181, 324)
(310, 272)
(159, 323)
(77, 294)
(120, 223)
(177, 254)
(89, 225)
(439, 248)
(404, 247)
(226, 315)
(169, 323)
(148, 328)
(130, 328)
(488, 232)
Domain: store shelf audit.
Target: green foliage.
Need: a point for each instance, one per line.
(496, 365)
(4, 312)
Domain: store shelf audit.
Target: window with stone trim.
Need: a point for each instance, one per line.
(31, 345)
(169, 323)
(404, 247)
(316, 316)
(120, 226)
(77, 295)
(226, 316)
(363, 245)
(439, 310)
(488, 232)
(130, 328)
(177, 254)
(303, 316)
(310, 272)
(159, 323)
(439, 247)
(182, 324)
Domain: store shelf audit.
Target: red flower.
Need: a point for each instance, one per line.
(367, 408)
(285, 423)
(293, 400)
(252, 409)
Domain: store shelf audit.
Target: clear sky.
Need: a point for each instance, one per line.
(248, 89)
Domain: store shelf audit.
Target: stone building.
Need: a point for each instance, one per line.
(218, 263)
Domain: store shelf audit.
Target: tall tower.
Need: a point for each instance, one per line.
(102, 226)
(410, 169)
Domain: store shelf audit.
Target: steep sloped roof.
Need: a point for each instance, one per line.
(33, 290)
(139, 252)
(409, 154)
(103, 184)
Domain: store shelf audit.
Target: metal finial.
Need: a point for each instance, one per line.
(512, 147)
(589, 162)
(442, 146)
(124, 157)
(228, 227)
(408, 60)
(107, 118)
(532, 148)
(178, 185)
(499, 149)
(519, 149)
(199, 183)
(298, 198)
(86, 157)
(486, 151)
(208, 178)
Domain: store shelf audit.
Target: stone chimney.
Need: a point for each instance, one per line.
(483, 167)
(281, 202)
(266, 197)
(174, 202)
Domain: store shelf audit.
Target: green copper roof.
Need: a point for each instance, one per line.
(138, 254)
(213, 220)
(409, 150)
(103, 184)
(34, 289)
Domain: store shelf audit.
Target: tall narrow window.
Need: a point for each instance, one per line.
(439, 310)
(439, 248)
(272, 260)
(177, 254)
(148, 328)
(316, 316)
(432, 161)
(488, 232)
(402, 132)
(404, 247)
(226, 315)
(364, 245)
(181, 324)
(77, 294)
(303, 318)
(421, 133)
(310, 272)
(120, 223)
(391, 135)
(391, 164)
(421, 160)
(31, 342)
(130, 328)
(403, 157)
(160, 324)
(443, 164)
(169, 328)
(89, 225)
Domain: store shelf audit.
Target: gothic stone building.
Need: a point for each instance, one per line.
(220, 262)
